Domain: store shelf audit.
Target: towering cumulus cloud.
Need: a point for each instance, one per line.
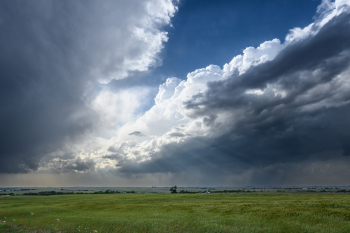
(273, 114)
(53, 54)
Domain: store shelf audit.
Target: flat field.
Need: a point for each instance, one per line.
(177, 213)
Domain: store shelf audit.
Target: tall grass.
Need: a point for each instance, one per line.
(179, 213)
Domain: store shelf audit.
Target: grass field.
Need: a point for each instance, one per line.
(177, 213)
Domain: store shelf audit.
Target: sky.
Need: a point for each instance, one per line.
(163, 93)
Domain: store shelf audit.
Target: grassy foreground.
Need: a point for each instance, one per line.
(177, 213)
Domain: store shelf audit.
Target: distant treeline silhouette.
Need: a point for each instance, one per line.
(46, 193)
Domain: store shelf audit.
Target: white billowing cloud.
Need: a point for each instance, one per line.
(132, 38)
(117, 108)
(255, 56)
(168, 111)
(269, 49)
(326, 10)
(167, 90)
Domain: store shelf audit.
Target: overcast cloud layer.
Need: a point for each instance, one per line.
(277, 114)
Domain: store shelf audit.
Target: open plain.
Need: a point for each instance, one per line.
(136, 212)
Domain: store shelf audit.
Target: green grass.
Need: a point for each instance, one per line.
(177, 213)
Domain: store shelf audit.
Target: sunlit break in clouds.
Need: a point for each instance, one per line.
(95, 93)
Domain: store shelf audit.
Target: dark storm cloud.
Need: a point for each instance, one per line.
(209, 121)
(113, 157)
(70, 165)
(273, 154)
(52, 54)
(276, 129)
(272, 130)
(194, 153)
(80, 165)
(118, 158)
(41, 83)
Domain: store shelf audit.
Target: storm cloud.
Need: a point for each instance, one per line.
(54, 57)
(303, 104)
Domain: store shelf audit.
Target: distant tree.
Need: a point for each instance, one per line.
(173, 189)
